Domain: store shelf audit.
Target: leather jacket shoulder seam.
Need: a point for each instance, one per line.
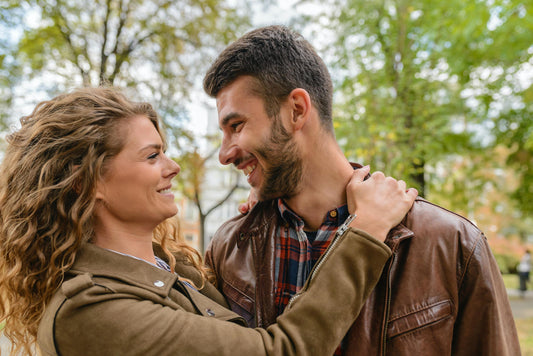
(478, 240)
(462, 218)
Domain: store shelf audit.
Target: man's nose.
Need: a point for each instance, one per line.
(227, 153)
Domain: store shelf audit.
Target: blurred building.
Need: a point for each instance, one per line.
(218, 182)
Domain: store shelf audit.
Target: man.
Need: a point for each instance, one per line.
(441, 292)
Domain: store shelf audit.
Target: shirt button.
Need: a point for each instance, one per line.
(159, 283)
(333, 213)
(210, 312)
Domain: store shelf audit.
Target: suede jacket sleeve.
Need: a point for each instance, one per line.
(111, 318)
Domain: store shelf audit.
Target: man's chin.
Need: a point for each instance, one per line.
(263, 195)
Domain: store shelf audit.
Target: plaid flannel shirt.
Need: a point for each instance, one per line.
(297, 251)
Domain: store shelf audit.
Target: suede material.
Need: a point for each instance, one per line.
(111, 304)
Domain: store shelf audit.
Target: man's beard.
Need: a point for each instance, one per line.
(285, 167)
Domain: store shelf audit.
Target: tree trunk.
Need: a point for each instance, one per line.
(417, 176)
(201, 235)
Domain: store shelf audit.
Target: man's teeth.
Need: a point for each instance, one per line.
(249, 169)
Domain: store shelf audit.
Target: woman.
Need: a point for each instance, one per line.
(91, 263)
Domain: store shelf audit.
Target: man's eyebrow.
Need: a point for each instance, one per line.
(228, 117)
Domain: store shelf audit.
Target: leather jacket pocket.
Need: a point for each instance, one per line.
(420, 318)
(240, 303)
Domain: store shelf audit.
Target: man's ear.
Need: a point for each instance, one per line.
(300, 106)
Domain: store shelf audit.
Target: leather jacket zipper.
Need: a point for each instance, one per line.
(256, 310)
(387, 306)
(338, 235)
(316, 267)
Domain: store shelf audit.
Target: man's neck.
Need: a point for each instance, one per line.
(326, 174)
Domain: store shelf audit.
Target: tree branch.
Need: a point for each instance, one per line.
(124, 11)
(103, 55)
(221, 201)
(65, 31)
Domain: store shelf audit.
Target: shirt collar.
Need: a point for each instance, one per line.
(334, 217)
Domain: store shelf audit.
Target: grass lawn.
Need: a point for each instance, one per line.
(510, 280)
(525, 334)
(524, 326)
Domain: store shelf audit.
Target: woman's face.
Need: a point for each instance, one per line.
(135, 190)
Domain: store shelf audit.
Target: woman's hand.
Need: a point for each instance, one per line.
(244, 208)
(380, 202)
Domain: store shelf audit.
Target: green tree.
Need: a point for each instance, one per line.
(496, 66)
(7, 83)
(9, 70)
(416, 80)
(156, 49)
(514, 130)
(159, 48)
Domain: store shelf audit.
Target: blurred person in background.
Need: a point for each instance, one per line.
(523, 269)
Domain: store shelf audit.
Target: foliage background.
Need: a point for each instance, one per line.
(438, 93)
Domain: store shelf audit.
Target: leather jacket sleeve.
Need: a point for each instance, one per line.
(490, 331)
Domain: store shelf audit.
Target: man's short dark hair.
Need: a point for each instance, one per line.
(279, 60)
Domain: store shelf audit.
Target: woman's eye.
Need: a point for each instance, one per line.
(153, 155)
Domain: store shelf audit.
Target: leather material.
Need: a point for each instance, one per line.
(440, 293)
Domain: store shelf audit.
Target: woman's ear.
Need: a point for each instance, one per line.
(77, 185)
(300, 105)
(100, 192)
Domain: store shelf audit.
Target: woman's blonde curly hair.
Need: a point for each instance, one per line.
(47, 198)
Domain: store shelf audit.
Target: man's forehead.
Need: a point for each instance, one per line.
(225, 110)
(232, 102)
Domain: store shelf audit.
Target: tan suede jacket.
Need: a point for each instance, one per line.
(112, 304)
(441, 293)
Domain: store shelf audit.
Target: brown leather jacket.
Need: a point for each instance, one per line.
(441, 293)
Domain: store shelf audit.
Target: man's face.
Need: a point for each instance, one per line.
(256, 144)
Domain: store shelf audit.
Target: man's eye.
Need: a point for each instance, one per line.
(236, 125)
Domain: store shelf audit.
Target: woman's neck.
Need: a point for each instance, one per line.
(125, 241)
